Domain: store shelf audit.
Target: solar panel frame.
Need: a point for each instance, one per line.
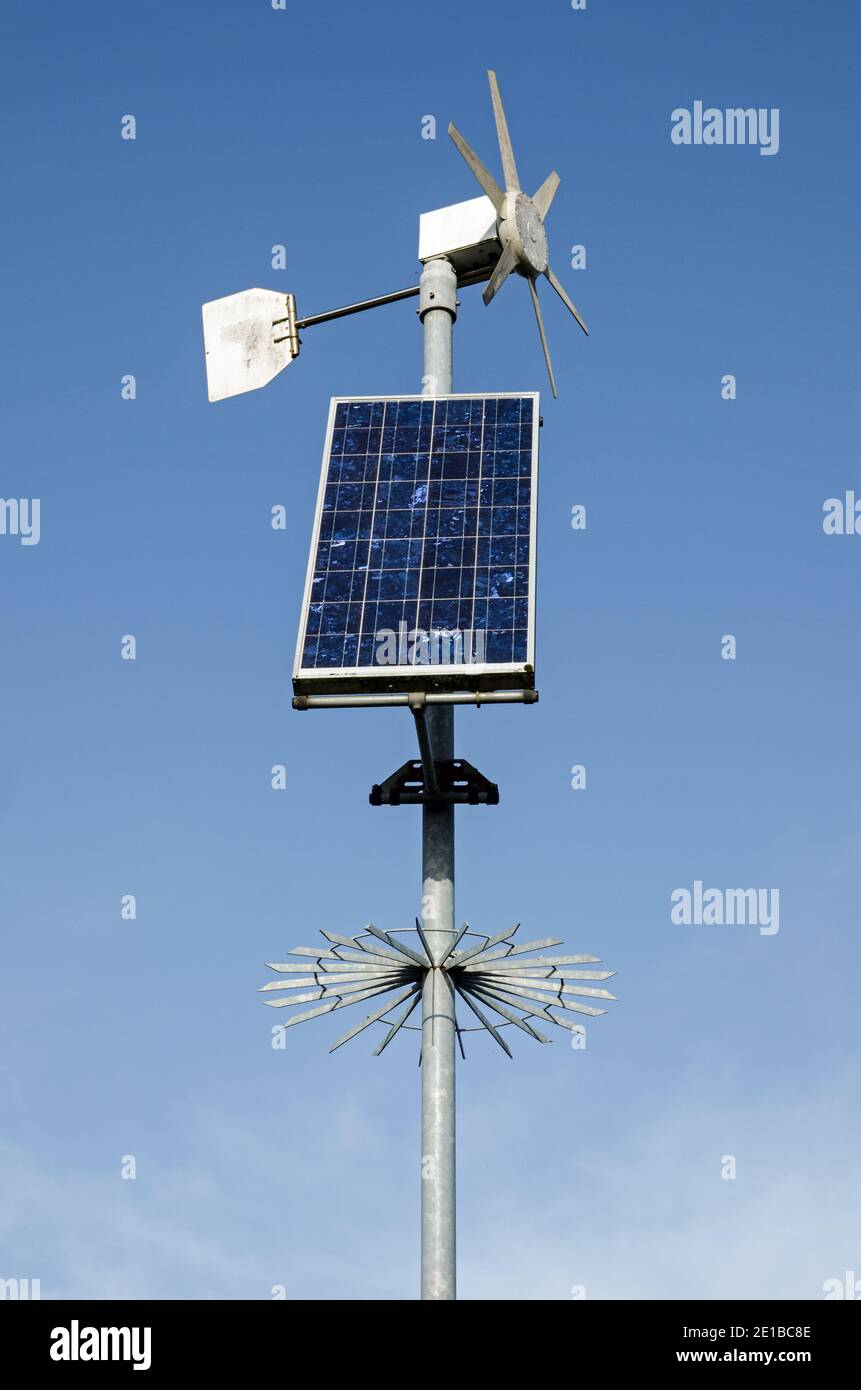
(465, 676)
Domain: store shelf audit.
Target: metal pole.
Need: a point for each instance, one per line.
(438, 310)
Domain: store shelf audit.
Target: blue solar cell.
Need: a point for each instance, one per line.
(422, 553)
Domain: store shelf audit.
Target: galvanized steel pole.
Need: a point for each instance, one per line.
(438, 310)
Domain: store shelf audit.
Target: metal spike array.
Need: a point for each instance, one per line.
(491, 973)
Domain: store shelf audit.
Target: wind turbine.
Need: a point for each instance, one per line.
(520, 222)
(252, 336)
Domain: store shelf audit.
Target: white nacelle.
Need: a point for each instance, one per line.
(245, 344)
(464, 232)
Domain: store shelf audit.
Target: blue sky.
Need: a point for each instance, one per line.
(599, 1168)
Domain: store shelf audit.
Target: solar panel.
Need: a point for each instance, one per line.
(422, 567)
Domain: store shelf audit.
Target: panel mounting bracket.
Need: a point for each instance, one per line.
(427, 781)
(458, 784)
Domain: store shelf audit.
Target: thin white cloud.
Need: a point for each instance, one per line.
(642, 1215)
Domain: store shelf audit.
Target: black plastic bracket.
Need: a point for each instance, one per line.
(458, 783)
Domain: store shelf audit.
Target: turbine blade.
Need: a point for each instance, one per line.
(372, 1018)
(501, 272)
(484, 176)
(563, 295)
(509, 168)
(545, 195)
(543, 336)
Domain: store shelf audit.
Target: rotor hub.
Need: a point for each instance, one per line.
(522, 227)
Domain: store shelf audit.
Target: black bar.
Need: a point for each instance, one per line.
(232, 1340)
